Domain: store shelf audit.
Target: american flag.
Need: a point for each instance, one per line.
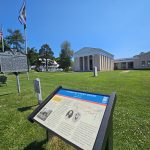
(22, 14)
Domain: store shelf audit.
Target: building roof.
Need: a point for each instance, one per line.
(86, 51)
(132, 58)
(142, 53)
(124, 60)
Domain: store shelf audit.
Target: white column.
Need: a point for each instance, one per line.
(103, 62)
(106, 63)
(100, 62)
(111, 61)
(87, 63)
(112, 64)
(83, 64)
(109, 64)
(78, 66)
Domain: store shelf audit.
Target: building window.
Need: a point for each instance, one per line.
(143, 63)
(148, 63)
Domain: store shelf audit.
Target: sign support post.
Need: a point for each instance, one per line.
(18, 81)
(109, 143)
(95, 71)
(37, 88)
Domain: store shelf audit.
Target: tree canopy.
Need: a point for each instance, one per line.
(65, 56)
(6, 46)
(15, 39)
(46, 52)
(32, 55)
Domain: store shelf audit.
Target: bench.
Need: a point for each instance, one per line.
(3, 80)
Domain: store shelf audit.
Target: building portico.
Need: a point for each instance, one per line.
(86, 58)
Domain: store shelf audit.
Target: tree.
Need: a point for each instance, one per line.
(47, 53)
(65, 56)
(57, 59)
(15, 39)
(32, 55)
(6, 46)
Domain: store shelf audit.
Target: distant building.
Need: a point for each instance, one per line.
(87, 58)
(124, 63)
(52, 65)
(141, 61)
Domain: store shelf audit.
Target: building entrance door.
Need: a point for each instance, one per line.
(91, 62)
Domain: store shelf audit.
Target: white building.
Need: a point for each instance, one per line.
(52, 65)
(87, 58)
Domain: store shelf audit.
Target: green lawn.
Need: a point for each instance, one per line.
(131, 116)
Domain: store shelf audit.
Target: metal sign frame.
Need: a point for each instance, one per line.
(104, 139)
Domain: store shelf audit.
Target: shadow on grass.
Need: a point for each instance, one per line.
(22, 109)
(6, 94)
(36, 145)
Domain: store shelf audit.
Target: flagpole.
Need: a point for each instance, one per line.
(2, 39)
(25, 38)
(22, 19)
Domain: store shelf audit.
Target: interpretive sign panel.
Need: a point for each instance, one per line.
(13, 63)
(73, 115)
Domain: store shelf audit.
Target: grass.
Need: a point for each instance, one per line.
(131, 124)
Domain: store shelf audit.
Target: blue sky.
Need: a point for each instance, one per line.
(121, 27)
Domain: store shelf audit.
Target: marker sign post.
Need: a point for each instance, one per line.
(82, 119)
(37, 88)
(95, 71)
(17, 81)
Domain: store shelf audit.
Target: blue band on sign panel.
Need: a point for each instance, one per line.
(85, 96)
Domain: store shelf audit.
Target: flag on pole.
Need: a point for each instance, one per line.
(22, 14)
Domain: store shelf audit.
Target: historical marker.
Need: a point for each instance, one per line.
(13, 62)
(80, 118)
